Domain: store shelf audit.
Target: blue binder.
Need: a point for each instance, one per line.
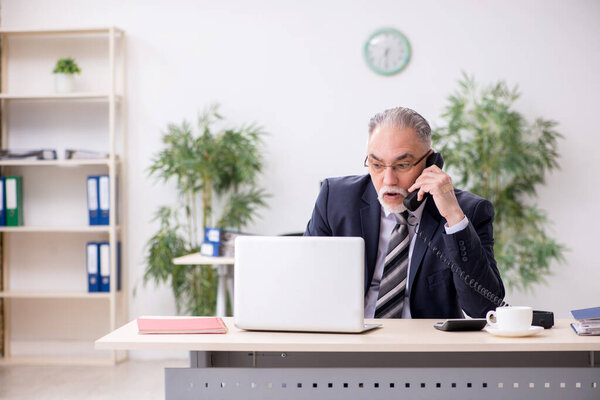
(104, 199)
(212, 235)
(92, 267)
(587, 313)
(2, 202)
(92, 199)
(104, 263)
(212, 241)
(209, 249)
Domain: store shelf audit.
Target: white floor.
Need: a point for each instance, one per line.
(128, 380)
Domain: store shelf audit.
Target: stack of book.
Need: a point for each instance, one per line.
(228, 242)
(588, 321)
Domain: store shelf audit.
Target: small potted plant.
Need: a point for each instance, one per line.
(64, 74)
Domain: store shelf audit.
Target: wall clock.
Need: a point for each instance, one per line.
(387, 51)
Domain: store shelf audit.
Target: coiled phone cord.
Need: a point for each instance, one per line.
(471, 282)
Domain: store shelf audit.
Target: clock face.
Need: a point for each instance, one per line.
(387, 51)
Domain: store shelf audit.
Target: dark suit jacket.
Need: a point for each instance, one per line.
(348, 206)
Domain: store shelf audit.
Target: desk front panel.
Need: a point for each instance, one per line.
(383, 383)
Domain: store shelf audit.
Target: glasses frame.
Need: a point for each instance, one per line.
(411, 166)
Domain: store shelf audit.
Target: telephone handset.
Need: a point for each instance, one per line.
(411, 203)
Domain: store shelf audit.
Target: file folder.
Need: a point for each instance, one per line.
(92, 267)
(104, 261)
(587, 314)
(212, 235)
(2, 203)
(104, 199)
(209, 249)
(92, 199)
(14, 200)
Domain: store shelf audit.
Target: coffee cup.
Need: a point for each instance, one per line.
(515, 318)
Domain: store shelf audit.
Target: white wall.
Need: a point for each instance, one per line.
(297, 69)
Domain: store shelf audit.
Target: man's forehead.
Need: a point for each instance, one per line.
(406, 139)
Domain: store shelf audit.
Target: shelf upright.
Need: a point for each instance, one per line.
(5, 301)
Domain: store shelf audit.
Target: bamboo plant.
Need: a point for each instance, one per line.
(502, 157)
(212, 166)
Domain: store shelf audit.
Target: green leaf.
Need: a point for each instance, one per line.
(66, 66)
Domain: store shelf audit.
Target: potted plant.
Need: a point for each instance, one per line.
(64, 75)
(497, 154)
(213, 166)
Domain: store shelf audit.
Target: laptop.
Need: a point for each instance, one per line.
(309, 284)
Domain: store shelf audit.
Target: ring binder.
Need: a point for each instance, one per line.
(104, 199)
(92, 198)
(92, 267)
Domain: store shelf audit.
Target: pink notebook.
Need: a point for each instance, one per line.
(181, 325)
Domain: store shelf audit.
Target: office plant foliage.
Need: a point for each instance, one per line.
(213, 168)
(494, 152)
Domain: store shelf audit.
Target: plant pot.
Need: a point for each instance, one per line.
(64, 83)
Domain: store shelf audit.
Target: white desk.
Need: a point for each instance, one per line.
(225, 284)
(403, 359)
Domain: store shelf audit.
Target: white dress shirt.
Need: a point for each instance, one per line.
(387, 223)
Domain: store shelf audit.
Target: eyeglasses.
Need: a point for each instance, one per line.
(378, 167)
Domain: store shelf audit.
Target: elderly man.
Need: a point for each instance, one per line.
(403, 277)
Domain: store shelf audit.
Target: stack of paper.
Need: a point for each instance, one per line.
(72, 154)
(588, 321)
(37, 154)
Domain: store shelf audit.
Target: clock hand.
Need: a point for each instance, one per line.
(386, 57)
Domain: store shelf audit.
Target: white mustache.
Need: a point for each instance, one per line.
(392, 189)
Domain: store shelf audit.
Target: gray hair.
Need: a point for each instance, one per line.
(401, 118)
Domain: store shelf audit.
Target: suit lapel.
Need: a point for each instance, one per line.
(429, 225)
(370, 215)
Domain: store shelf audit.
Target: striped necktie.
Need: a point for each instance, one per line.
(393, 281)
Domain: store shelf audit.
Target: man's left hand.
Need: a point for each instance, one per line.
(439, 184)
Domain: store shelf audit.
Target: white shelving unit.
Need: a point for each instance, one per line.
(49, 317)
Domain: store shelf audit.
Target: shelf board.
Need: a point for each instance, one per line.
(58, 31)
(59, 96)
(74, 229)
(57, 163)
(57, 360)
(53, 295)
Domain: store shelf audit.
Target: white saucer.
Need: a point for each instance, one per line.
(532, 330)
